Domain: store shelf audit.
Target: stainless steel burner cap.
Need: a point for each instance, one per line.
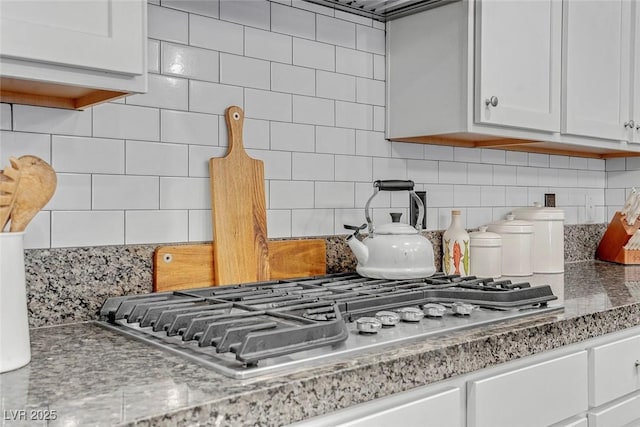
(410, 314)
(434, 310)
(462, 308)
(388, 318)
(368, 325)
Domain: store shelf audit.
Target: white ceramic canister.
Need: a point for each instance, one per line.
(548, 237)
(517, 244)
(455, 247)
(486, 253)
(15, 349)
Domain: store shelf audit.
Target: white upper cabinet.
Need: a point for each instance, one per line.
(518, 59)
(72, 54)
(597, 69)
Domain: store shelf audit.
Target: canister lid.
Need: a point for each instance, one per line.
(485, 238)
(537, 212)
(511, 226)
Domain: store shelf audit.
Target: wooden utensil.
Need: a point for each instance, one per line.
(36, 187)
(190, 266)
(9, 180)
(240, 250)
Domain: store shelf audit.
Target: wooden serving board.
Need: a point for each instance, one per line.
(238, 210)
(192, 266)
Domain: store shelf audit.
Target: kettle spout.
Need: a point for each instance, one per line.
(359, 249)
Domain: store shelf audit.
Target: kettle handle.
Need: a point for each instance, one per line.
(394, 185)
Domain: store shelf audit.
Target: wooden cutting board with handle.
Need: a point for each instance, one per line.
(240, 252)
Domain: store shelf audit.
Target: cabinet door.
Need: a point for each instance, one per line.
(536, 395)
(410, 409)
(596, 72)
(614, 370)
(103, 35)
(518, 47)
(625, 412)
(635, 102)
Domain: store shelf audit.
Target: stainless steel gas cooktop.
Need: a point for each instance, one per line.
(255, 329)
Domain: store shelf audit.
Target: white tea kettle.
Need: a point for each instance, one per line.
(394, 250)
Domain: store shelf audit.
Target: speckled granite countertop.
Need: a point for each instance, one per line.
(92, 376)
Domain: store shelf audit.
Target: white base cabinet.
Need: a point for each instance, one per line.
(594, 383)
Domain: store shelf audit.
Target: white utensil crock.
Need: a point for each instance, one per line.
(517, 246)
(486, 253)
(548, 237)
(15, 348)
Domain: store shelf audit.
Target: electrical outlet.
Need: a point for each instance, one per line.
(413, 209)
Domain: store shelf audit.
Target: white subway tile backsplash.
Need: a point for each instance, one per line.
(157, 158)
(452, 173)
(354, 62)
(479, 174)
(469, 155)
(477, 217)
(378, 118)
(153, 56)
(379, 25)
(578, 163)
(335, 31)
(164, 92)
(362, 20)
(548, 178)
(185, 193)
(241, 71)
(353, 168)
(51, 120)
(385, 168)
(335, 86)
(199, 156)
(526, 176)
(379, 67)
(372, 144)
(335, 140)
(516, 196)
(291, 194)
(5, 117)
(312, 54)
(125, 192)
(350, 114)
(205, 97)
(188, 128)
(539, 160)
(312, 222)
(277, 164)
(278, 223)
(313, 167)
(167, 24)
(314, 111)
(38, 234)
(208, 8)
(292, 79)
(73, 192)
(156, 226)
(292, 137)
(348, 217)
(567, 177)
(254, 13)
(370, 39)
(87, 228)
(407, 150)
(596, 164)
(262, 104)
(267, 45)
(87, 155)
(535, 195)
(591, 178)
(466, 195)
(217, 35)
(190, 62)
(559, 161)
(632, 163)
(517, 158)
(313, 7)
(504, 175)
(615, 164)
(438, 152)
(496, 157)
(256, 134)
(614, 197)
(422, 171)
(16, 144)
(492, 195)
(294, 22)
(200, 227)
(334, 195)
(364, 192)
(126, 122)
(370, 91)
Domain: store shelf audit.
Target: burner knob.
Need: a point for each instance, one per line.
(368, 325)
(410, 314)
(388, 318)
(434, 310)
(462, 308)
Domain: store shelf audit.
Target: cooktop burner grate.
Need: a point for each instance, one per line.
(253, 323)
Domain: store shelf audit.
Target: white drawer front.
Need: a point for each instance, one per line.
(618, 414)
(613, 371)
(536, 395)
(573, 422)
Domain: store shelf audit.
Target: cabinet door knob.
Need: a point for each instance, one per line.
(630, 124)
(493, 101)
(637, 363)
